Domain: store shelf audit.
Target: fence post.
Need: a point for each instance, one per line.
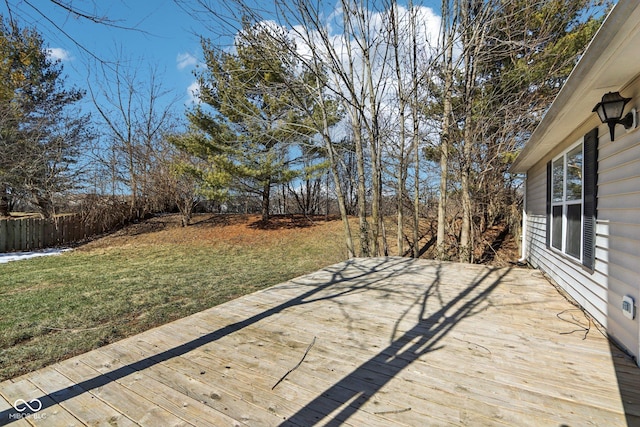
(31, 232)
(17, 234)
(3, 235)
(35, 233)
(70, 234)
(63, 230)
(46, 235)
(60, 230)
(40, 226)
(71, 225)
(25, 234)
(77, 229)
(26, 231)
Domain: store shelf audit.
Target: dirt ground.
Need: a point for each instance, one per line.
(207, 228)
(498, 248)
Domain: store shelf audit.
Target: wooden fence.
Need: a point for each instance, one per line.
(26, 234)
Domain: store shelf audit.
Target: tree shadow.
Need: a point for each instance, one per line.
(218, 220)
(345, 278)
(143, 226)
(284, 222)
(358, 387)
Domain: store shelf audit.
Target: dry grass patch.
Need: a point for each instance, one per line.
(146, 275)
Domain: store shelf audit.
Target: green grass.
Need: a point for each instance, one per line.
(59, 306)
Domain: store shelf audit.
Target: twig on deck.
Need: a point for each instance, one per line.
(295, 367)
(576, 322)
(397, 411)
(472, 343)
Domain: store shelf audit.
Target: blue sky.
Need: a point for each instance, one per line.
(157, 33)
(162, 35)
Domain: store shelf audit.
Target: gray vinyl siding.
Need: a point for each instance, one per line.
(617, 265)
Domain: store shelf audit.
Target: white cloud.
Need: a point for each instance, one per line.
(185, 60)
(193, 92)
(336, 44)
(58, 53)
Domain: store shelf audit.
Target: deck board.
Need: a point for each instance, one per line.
(83, 406)
(397, 342)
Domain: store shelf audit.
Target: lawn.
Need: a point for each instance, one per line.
(146, 275)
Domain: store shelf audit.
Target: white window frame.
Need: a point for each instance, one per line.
(564, 203)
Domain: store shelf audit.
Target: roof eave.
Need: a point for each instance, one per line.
(599, 70)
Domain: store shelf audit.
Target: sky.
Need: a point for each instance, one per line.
(146, 34)
(156, 33)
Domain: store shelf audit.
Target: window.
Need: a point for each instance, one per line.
(572, 195)
(566, 202)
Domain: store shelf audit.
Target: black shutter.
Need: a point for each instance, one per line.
(590, 198)
(548, 236)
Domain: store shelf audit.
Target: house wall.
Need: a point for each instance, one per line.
(617, 266)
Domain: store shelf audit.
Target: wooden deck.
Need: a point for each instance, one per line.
(368, 342)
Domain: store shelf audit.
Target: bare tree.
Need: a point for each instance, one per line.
(475, 23)
(184, 185)
(135, 122)
(447, 42)
(402, 98)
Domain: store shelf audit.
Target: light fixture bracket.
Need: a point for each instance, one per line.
(630, 121)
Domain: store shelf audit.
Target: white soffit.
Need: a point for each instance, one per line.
(611, 62)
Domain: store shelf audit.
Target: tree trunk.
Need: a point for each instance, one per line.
(307, 201)
(464, 252)
(466, 246)
(415, 101)
(442, 198)
(400, 219)
(401, 170)
(326, 200)
(44, 205)
(362, 194)
(473, 18)
(339, 193)
(4, 201)
(266, 194)
(448, 41)
(376, 214)
(186, 218)
(416, 198)
(333, 164)
(284, 199)
(356, 119)
(375, 148)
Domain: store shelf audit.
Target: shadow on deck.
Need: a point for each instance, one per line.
(399, 340)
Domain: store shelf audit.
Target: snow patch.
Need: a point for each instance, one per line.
(17, 256)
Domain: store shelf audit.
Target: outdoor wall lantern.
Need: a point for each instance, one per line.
(610, 112)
